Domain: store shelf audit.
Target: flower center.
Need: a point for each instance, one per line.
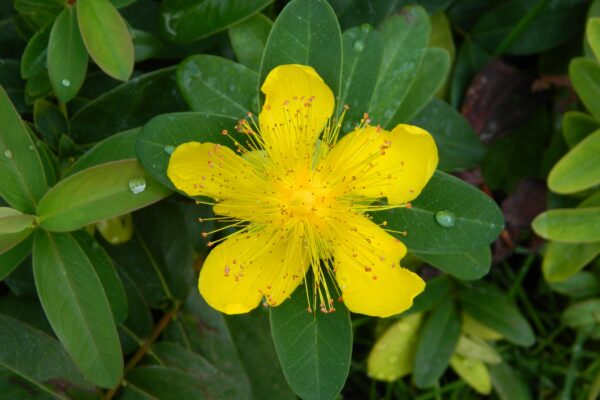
(302, 202)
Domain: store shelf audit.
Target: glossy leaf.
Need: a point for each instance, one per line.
(77, 308)
(314, 348)
(145, 45)
(106, 37)
(188, 20)
(477, 219)
(592, 33)
(37, 357)
(35, 54)
(467, 265)
(11, 259)
(363, 52)
(100, 192)
(22, 177)
(577, 126)
(248, 40)
(14, 227)
(161, 135)
(215, 85)
(130, 105)
(458, 146)
(67, 56)
(585, 76)
(581, 225)
(493, 309)
(437, 341)
(306, 32)
(405, 38)
(579, 169)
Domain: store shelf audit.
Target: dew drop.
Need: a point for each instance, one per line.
(359, 46)
(169, 149)
(7, 153)
(66, 82)
(445, 218)
(137, 185)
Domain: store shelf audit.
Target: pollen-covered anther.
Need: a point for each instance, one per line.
(204, 234)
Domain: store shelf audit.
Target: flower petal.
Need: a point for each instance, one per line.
(368, 271)
(238, 273)
(377, 163)
(297, 106)
(207, 169)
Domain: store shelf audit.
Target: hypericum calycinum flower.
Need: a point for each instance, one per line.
(299, 197)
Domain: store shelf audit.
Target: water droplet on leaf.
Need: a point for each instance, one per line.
(359, 46)
(7, 153)
(169, 149)
(445, 218)
(137, 185)
(66, 82)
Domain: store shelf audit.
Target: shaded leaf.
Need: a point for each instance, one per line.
(248, 39)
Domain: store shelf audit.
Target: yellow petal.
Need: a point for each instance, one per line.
(367, 263)
(207, 169)
(377, 163)
(297, 106)
(243, 269)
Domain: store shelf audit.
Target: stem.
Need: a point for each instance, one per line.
(522, 272)
(141, 352)
(520, 27)
(582, 335)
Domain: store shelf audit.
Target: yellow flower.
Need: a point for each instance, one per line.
(299, 197)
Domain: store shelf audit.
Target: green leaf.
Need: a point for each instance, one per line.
(306, 32)
(76, 306)
(139, 320)
(248, 40)
(508, 383)
(579, 169)
(314, 348)
(35, 54)
(106, 37)
(120, 146)
(49, 121)
(562, 260)
(577, 126)
(493, 309)
(437, 341)
(102, 264)
(477, 219)
(592, 33)
(38, 13)
(97, 193)
(130, 105)
(526, 27)
(11, 259)
(581, 225)
(458, 146)
(14, 227)
(363, 52)
(467, 265)
(145, 45)
(161, 135)
(189, 20)
(37, 357)
(67, 56)
(470, 60)
(585, 76)
(437, 290)
(582, 313)
(215, 85)
(581, 285)
(22, 177)
(159, 382)
(13, 84)
(405, 38)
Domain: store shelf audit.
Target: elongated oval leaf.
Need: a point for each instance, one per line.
(215, 85)
(592, 33)
(36, 356)
(248, 40)
(437, 342)
(188, 20)
(477, 220)
(22, 177)
(493, 309)
(585, 76)
(581, 225)
(467, 265)
(582, 313)
(97, 193)
(11, 259)
(14, 227)
(161, 135)
(106, 37)
(35, 54)
(577, 126)
(579, 169)
(67, 56)
(508, 383)
(562, 260)
(314, 349)
(306, 32)
(159, 382)
(76, 306)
